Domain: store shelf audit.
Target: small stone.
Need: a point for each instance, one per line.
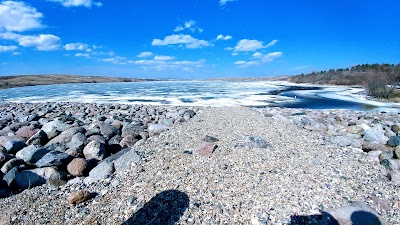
(156, 129)
(206, 149)
(77, 167)
(209, 138)
(394, 141)
(254, 142)
(78, 197)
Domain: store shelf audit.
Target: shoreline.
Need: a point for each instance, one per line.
(330, 157)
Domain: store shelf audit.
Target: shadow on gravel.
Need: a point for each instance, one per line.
(357, 218)
(166, 207)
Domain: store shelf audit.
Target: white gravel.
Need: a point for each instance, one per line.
(298, 175)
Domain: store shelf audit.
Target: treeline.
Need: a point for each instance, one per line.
(381, 80)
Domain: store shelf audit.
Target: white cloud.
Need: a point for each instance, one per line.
(228, 48)
(223, 2)
(189, 25)
(145, 54)
(259, 58)
(116, 60)
(85, 55)
(222, 37)
(43, 42)
(75, 3)
(76, 46)
(246, 45)
(17, 16)
(162, 57)
(235, 53)
(9, 48)
(16, 53)
(272, 43)
(187, 40)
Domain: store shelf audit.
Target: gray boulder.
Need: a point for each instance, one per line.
(4, 157)
(126, 161)
(53, 128)
(188, 114)
(77, 142)
(108, 131)
(12, 144)
(10, 176)
(95, 150)
(31, 154)
(100, 172)
(54, 158)
(132, 129)
(66, 135)
(394, 141)
(35, 177)
(375, 134)
(373, 146)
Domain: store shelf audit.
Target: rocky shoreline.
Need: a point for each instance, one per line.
(110, 164)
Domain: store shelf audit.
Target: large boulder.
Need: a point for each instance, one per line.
(12, 144)
(77, 142)
(4, 157)
(66, 136)
(126, 161)
(53, 128)
(38, 176)
(95, 150)
(26, 131)
(108, 131)
(375, 134)
(31, 154)
(54, 158)
(39, 138)
(132, 129)
(100, 172)
(11, 164)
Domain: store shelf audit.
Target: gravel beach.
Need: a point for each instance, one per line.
(228, 165)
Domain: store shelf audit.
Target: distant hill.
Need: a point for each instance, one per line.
(32, 80)
(356, 75)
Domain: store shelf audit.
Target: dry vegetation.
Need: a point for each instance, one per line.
(32, 80)
(380, 80)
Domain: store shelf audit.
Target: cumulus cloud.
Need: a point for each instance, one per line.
(187, 40)
(223, 2)
(225, 38)
(17, 16)
(246, 45)
(76, 3)
(145, 54)
(259, 58)
(9, 48)
(43, 42)
(76, 46)
(162, 57)
(188, 25)
(116, 60)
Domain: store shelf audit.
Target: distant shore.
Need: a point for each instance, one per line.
(33, 80)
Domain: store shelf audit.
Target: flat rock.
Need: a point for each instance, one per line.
(53, 128)
(375, 134)
(254, 142)
(38, 176)
(126, 161)
(100, 172)
(54, 158)
(26, 131)
(154, 129)
(31, 154)
(206, 149)
(373, 146)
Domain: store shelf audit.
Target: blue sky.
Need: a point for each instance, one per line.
(195, 38)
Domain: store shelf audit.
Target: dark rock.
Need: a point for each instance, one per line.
(95, 150)
(4, 157)
(77, 167)
(54, 158)
(108, 130)
(12, 144)
(31, 154)
(390, 164)
(208, 138)
(10, 176)
(35, 177)
(394, 141)
(395, 128)
(11, 164)
(39, 138)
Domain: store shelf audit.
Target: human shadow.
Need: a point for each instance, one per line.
(166, 207)
(357, 218)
